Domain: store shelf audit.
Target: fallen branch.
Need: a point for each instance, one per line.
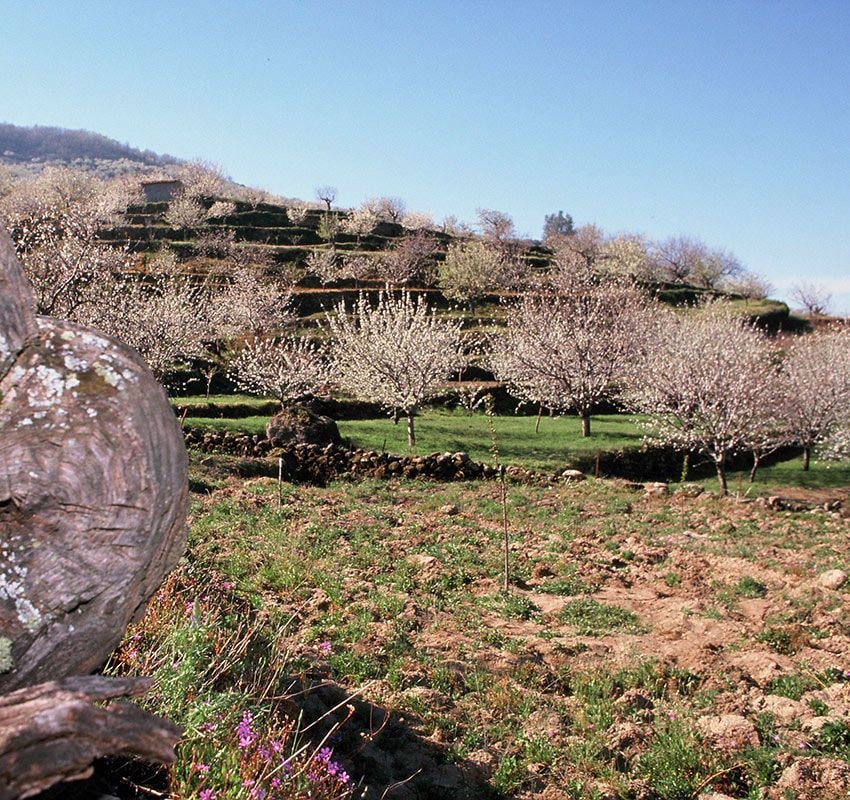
(53, 732)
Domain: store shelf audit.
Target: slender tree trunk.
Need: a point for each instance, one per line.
(756, 462)
(720, 464)
(585, 424)
(807, 452)
(686, 467)
(507, 542)
(411, 434)
(537, 421)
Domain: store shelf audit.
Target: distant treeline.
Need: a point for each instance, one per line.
(23, 144)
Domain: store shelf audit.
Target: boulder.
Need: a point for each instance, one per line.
(299, 425)
(93, 490)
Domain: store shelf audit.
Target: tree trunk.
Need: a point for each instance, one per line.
(720, 464)
(53, 732)
(93, 490)
(585, 424)
(807, 452)
(411, 433)
(537, 421)
(756, 462)
(686, 467)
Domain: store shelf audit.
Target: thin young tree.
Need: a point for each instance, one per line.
(397, 352)
(570, 347)
(813, 299)
(408, 259)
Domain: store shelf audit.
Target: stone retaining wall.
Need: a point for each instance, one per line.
(316, 463)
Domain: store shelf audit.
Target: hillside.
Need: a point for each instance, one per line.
(281, 243)
(31, 148)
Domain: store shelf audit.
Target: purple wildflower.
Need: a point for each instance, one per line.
(325, 754)
(325, 648)
(208, 794)
(246, 734)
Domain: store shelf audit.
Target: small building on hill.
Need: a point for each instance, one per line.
(163, 191)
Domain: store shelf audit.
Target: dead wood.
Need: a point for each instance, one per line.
(53, 732)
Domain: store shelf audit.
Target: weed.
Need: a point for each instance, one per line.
(509, 776)
(818, 707)
(834, 739)
(676, 763)
(792, 686)
(779, 640)
(567, 586)
(750, 587)
(673, 579)
(591, 618)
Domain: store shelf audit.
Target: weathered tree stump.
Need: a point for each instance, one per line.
(54, 731)
(92, 490)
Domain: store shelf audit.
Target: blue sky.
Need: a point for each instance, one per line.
(725, 120)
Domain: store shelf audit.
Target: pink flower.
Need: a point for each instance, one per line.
(325, 648)
(208, 794)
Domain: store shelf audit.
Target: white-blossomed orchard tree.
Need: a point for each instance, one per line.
(286, 369)
(396, 352)
(815, 388)
(571, 346)
(165, 318)
(55, 220)
(706, 381)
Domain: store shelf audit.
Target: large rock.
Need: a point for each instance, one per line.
(93, 490)
(299, 425)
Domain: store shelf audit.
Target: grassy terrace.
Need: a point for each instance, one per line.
(558, 441)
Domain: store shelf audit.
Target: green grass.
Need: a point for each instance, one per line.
(589, 617)
(373, 586)
(241, 425)
(452, 431)
(770, 479)
(554, 447)
(220, 400)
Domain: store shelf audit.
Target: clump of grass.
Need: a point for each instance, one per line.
(792, 686)
(591, 618)
(779, 640)
(673, 579)
(676, 764)
(750, 587)
(513, 606)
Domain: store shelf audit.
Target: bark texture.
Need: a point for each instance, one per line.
(54, 731)
(92, 490)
